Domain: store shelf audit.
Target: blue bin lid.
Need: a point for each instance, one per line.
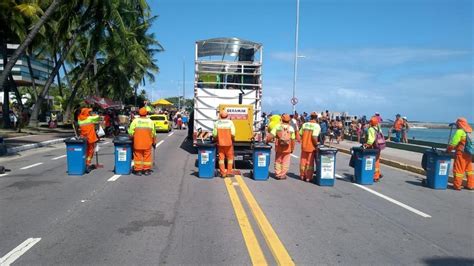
(364, 151)
(206, 144)
(324, 150)
(438, 153)
(263, 146)
(75, 140)
(122, 139)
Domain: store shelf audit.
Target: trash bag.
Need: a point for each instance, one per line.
(100, 132)
(424, 161)
(352, 160)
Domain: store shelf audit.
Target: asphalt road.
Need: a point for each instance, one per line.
(172, 217)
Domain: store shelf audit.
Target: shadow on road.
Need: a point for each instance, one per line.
(187, 145)
(448, 261)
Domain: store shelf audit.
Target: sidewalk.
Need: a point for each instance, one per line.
(32, 138)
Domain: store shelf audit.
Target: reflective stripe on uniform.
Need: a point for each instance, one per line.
(458, 175)
(221, 162)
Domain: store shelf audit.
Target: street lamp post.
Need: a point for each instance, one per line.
(296, 53)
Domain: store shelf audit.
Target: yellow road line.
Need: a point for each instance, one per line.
(278, 250)
(253, 247)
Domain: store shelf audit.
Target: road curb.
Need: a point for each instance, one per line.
(399, 165)
(31, 146)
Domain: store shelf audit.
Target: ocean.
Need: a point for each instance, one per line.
(433, 135)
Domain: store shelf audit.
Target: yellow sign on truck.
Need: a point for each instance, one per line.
(242, 116)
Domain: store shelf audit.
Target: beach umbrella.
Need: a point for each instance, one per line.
(161, 102)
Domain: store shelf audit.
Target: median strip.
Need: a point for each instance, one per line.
(273, 241)
(251, 242)
(13, 255)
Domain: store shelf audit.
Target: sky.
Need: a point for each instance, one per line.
(413, 57)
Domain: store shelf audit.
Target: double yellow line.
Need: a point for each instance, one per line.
(271, 238)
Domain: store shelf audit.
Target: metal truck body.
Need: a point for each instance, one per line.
(228, 75)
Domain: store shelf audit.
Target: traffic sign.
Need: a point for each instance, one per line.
(294, 100)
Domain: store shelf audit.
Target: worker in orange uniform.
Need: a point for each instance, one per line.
(372, 132)
(461, 143)
(224, 134)
(143, 131)
(87, 123)
(309, 133)
(284, 136)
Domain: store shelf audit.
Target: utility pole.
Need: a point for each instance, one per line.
(184, 83)
(296, 52)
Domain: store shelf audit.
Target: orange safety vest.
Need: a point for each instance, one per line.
(143, 131)
(307, 143)
(398, 124)
(87, 127)
(223, 131)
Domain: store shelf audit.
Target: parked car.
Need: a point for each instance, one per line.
(161, 123)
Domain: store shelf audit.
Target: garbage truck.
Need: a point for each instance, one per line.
(228, 76)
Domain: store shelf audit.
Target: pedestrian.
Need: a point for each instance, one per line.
(309, 142)
(284, 136)
(461, 143)
(324, 129)
(354, 128)
(296, 127)
(142, 130)
(13, 119)
(377, 115)
(372, 132)
(87, 123)
(224, 134)
(405, 129)
(396, 128)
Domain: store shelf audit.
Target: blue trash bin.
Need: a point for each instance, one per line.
(206, 159)
(76, 156)
(364, 167)
(437, 168)
(123, 155)
(325, 167)
(261, 161)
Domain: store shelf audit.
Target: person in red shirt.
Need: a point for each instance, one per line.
(396, 128)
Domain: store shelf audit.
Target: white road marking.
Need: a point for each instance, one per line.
(170, 134)
(105, 143)
(59, 157)
(3, 175)
(13, 255)
(396, 202)
(159, 143)
(294, 156)
(30, 166)
(113, 178)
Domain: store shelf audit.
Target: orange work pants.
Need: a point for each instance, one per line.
(463, 165)
(225, 153)
(307, 165)
(142, 159)
(377, 167)
(89, 153)
(282, 164)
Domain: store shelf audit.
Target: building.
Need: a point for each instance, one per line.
(21, 74)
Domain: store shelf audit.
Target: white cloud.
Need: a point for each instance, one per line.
(370, 56)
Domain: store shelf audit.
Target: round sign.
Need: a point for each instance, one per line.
(294, 100)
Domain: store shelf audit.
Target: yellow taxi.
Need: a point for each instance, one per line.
(161, 122)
